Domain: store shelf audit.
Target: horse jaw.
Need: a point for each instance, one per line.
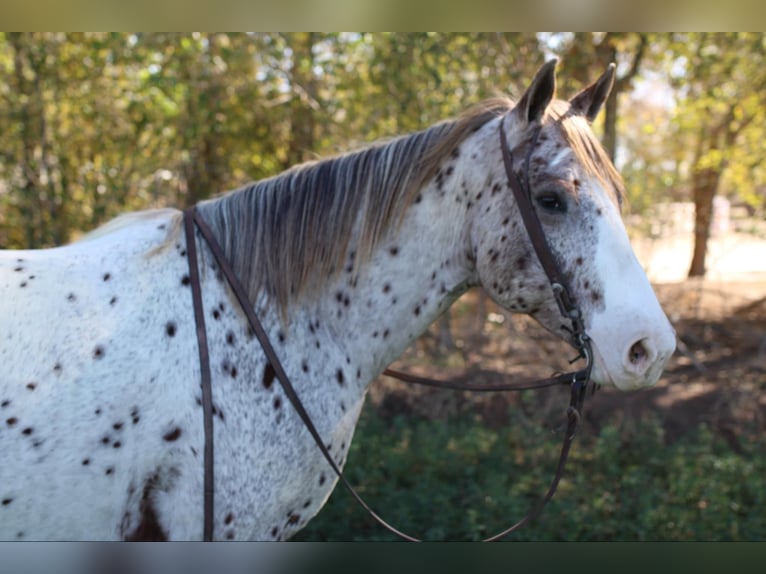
(632, 338)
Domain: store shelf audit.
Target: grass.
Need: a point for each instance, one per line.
(459, 480)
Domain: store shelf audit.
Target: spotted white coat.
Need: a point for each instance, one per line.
(101, 425)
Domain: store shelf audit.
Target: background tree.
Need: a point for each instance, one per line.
(720, 82)
(585, 56)
(67, 132)
(95, 124)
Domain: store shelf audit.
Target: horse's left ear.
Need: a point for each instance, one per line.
(589, 101)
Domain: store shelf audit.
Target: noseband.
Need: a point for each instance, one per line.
(577, 380)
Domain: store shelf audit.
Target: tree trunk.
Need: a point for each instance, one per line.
(610, 125)
(621, 84)
(204, 173)
(28, 189)
(610, 111)
(445, 342)
(705, 182)
(705, 187)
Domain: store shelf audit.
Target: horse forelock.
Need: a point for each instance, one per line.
(587, 149)
(285, 233)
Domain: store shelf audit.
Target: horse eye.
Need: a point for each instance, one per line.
(552, 202)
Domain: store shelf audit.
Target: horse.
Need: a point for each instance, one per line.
(346, 260)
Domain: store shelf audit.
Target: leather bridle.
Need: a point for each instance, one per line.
(577, 380)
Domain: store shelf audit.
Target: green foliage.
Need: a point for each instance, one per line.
(720, 82)
(462, 481)
(95, 124)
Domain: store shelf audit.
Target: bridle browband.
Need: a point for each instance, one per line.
(577, 380)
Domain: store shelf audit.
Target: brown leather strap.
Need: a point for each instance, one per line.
(573, 417)
(239, 292)
(578, 381)
(204, 361)
(523, 197)
(527, 212)
(566, 303)
(561, 379)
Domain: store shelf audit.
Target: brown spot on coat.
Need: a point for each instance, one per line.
(268, 375)
(149, 528)
(172, 435)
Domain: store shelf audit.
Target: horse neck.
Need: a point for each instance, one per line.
(375, 309)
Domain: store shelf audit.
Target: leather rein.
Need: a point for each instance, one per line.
(577, 380)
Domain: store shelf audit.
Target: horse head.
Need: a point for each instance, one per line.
(577, 196)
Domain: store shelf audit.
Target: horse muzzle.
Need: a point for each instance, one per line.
(636, 363)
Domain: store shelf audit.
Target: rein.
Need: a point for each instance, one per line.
(577, 380)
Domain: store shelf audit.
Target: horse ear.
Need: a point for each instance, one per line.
(539, 94)
(589, 101)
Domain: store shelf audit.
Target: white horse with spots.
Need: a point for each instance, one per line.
(347, 261)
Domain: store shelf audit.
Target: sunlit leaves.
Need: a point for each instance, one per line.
(95, 124)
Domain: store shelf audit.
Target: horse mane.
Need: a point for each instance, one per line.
(586, 148)
(284, 233)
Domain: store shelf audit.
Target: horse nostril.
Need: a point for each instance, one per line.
(638, 353)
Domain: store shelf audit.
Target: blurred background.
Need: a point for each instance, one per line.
(95, 124)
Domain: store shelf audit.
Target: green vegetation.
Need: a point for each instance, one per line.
(95, 124)
(462, 481)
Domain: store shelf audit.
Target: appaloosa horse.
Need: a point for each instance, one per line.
(346, 260)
